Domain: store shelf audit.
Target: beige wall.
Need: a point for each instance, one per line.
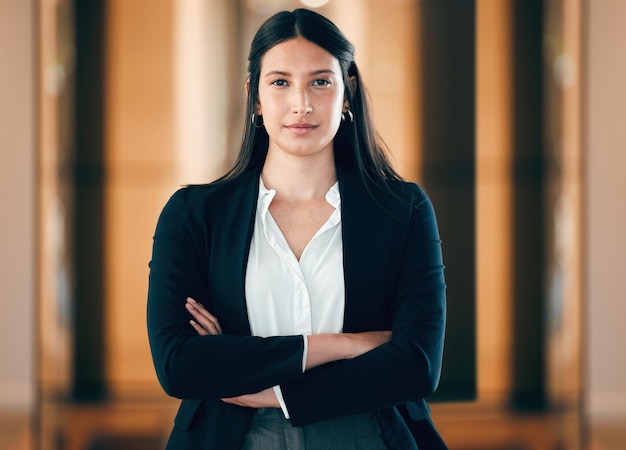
(17, 203)
(605, 142)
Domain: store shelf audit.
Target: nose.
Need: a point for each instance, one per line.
(301, 103)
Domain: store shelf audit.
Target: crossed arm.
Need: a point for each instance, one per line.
(322, 349)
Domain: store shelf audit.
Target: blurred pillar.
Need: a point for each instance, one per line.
(56, 199)
(494, 244)
(89, 212)
(563, 217)
(529, 251)
(448, 174)
(141, 175)
(208, 88)
(18, 195)
(605, 216)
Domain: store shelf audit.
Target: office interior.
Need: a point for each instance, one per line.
(508, 112)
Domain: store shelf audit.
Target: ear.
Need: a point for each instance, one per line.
(352, 81)
(246, 86)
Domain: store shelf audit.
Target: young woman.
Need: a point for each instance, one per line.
(299, 301)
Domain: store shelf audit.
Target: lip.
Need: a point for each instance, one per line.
(301, 128)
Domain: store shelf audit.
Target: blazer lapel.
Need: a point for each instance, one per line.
(366, 254)
(230, 237)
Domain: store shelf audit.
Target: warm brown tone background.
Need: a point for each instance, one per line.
(171, 114)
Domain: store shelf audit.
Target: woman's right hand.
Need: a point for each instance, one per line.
(205, 323)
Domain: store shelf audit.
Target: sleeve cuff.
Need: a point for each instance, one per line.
(279, 392)
(304, 353)
(281, 400)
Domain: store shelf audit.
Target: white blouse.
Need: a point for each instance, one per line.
(285, 296)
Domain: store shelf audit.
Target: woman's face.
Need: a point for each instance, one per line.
(301, 97)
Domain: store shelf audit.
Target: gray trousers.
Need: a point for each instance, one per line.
(271, 431)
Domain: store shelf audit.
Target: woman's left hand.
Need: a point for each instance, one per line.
(263, 399)
(205, 323)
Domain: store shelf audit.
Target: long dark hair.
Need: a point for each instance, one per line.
(356, 143)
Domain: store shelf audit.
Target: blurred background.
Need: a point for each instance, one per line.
(510, 113)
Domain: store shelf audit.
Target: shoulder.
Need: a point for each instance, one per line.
(402, 198)
(408, 191)
(204, 203)
(398, 195)
(215, 194)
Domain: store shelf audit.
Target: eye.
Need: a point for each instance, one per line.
(322, 82)
(279, 82)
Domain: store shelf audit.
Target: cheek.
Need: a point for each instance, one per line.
(334, 109)
(272, 116)
(271, 107)
(263, 101)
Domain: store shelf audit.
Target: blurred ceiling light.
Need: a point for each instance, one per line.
(314, 3)
(564, 70)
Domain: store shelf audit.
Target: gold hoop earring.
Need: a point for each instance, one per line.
(254, 119)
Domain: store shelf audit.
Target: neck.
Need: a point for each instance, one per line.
(296, 178)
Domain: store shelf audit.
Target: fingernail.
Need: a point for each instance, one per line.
(189, 299)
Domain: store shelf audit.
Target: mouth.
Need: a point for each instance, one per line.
(301, 128)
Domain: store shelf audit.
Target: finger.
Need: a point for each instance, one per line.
(202, 322)
(204, 313)
(199, 329)
(200, 311)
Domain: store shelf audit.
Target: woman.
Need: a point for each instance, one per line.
(299, 301)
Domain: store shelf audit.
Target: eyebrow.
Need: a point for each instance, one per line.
(286, 74)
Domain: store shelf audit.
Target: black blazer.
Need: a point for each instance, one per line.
(393, 279)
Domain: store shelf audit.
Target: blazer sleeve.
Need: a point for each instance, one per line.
(408, 367)
(192, 366)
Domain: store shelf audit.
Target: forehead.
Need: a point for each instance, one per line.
(298, 55)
